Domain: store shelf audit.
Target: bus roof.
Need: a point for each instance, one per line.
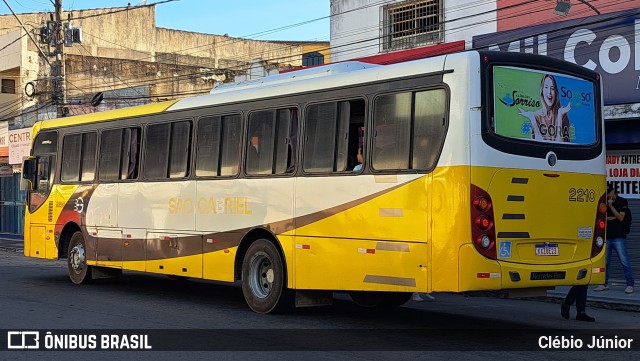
(317, 78)
(106, 115)
(301, 81)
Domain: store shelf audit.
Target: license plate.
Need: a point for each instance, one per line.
(541, 276)
(547, 250)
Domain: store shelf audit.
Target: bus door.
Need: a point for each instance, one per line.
(40, 171)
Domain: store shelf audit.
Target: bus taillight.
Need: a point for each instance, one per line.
(600, 227)
(483, 223)
(482, 228)
(481, 203)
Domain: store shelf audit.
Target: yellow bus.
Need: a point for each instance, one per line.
(464, 172)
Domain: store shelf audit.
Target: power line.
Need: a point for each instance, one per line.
(347, 50)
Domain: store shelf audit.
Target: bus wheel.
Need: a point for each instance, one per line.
(264, 279)
(79, 271)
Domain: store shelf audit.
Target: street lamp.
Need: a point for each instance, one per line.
(563, 6)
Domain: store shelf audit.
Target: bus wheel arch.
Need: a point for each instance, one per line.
(264, 274)
(65, 238)
(247, 240)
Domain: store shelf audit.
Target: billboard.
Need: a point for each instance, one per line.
(608, 44)
(543, 106)
(19, 145)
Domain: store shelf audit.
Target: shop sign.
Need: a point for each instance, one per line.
(608, 44)
(623, 174)
(19, 145)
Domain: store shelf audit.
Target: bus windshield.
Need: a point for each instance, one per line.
(543, 106)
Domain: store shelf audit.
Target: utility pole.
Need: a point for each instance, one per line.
(60, 92)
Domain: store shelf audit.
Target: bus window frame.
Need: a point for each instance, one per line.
(303, 134)
(246, 136)
(199, 118)
(525, 147)
(370, 132)
(100, 131)
(95, 157)
(142, 176)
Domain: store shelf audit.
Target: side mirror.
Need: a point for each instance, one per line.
(30, 171)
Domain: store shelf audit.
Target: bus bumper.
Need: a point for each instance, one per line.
(478, 273)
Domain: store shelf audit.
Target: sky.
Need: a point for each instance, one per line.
(255, 19)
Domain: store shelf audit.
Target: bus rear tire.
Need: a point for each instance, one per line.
(79, 271)
(264, 279)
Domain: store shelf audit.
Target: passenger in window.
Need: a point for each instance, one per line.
(252, 153)
(360, 159)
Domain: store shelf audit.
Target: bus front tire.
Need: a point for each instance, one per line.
(264, 279)
(79, 271)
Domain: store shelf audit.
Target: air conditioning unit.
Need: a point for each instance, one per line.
(72, 34)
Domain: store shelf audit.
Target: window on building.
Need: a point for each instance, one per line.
(333, 136)
(119, 154)
(411, 24)
(8, 86)
(79, 157)
(314, 58)
(218, 147)
(409, 130)
(167, 150)
(271, 141)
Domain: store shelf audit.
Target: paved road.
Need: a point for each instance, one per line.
(36, 294)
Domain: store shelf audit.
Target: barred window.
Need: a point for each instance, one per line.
(411, 24)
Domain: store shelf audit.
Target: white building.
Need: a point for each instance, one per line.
(361, 28)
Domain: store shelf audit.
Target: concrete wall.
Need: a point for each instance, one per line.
(122, 48)
(226, 51)
(356, 25)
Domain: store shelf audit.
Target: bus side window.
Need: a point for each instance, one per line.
(218, 146)
(409, 130)
(269, 142)
(429, 127)
(78, 157)
(392, 124)
(109, 155)
(332, 136)
(286, 121)
(119, 154)
(131, 150)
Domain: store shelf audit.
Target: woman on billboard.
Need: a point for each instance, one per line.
(551, 122)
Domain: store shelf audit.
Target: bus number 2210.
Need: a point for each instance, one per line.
(582, 195)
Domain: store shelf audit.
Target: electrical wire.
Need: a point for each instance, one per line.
(363, 46)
